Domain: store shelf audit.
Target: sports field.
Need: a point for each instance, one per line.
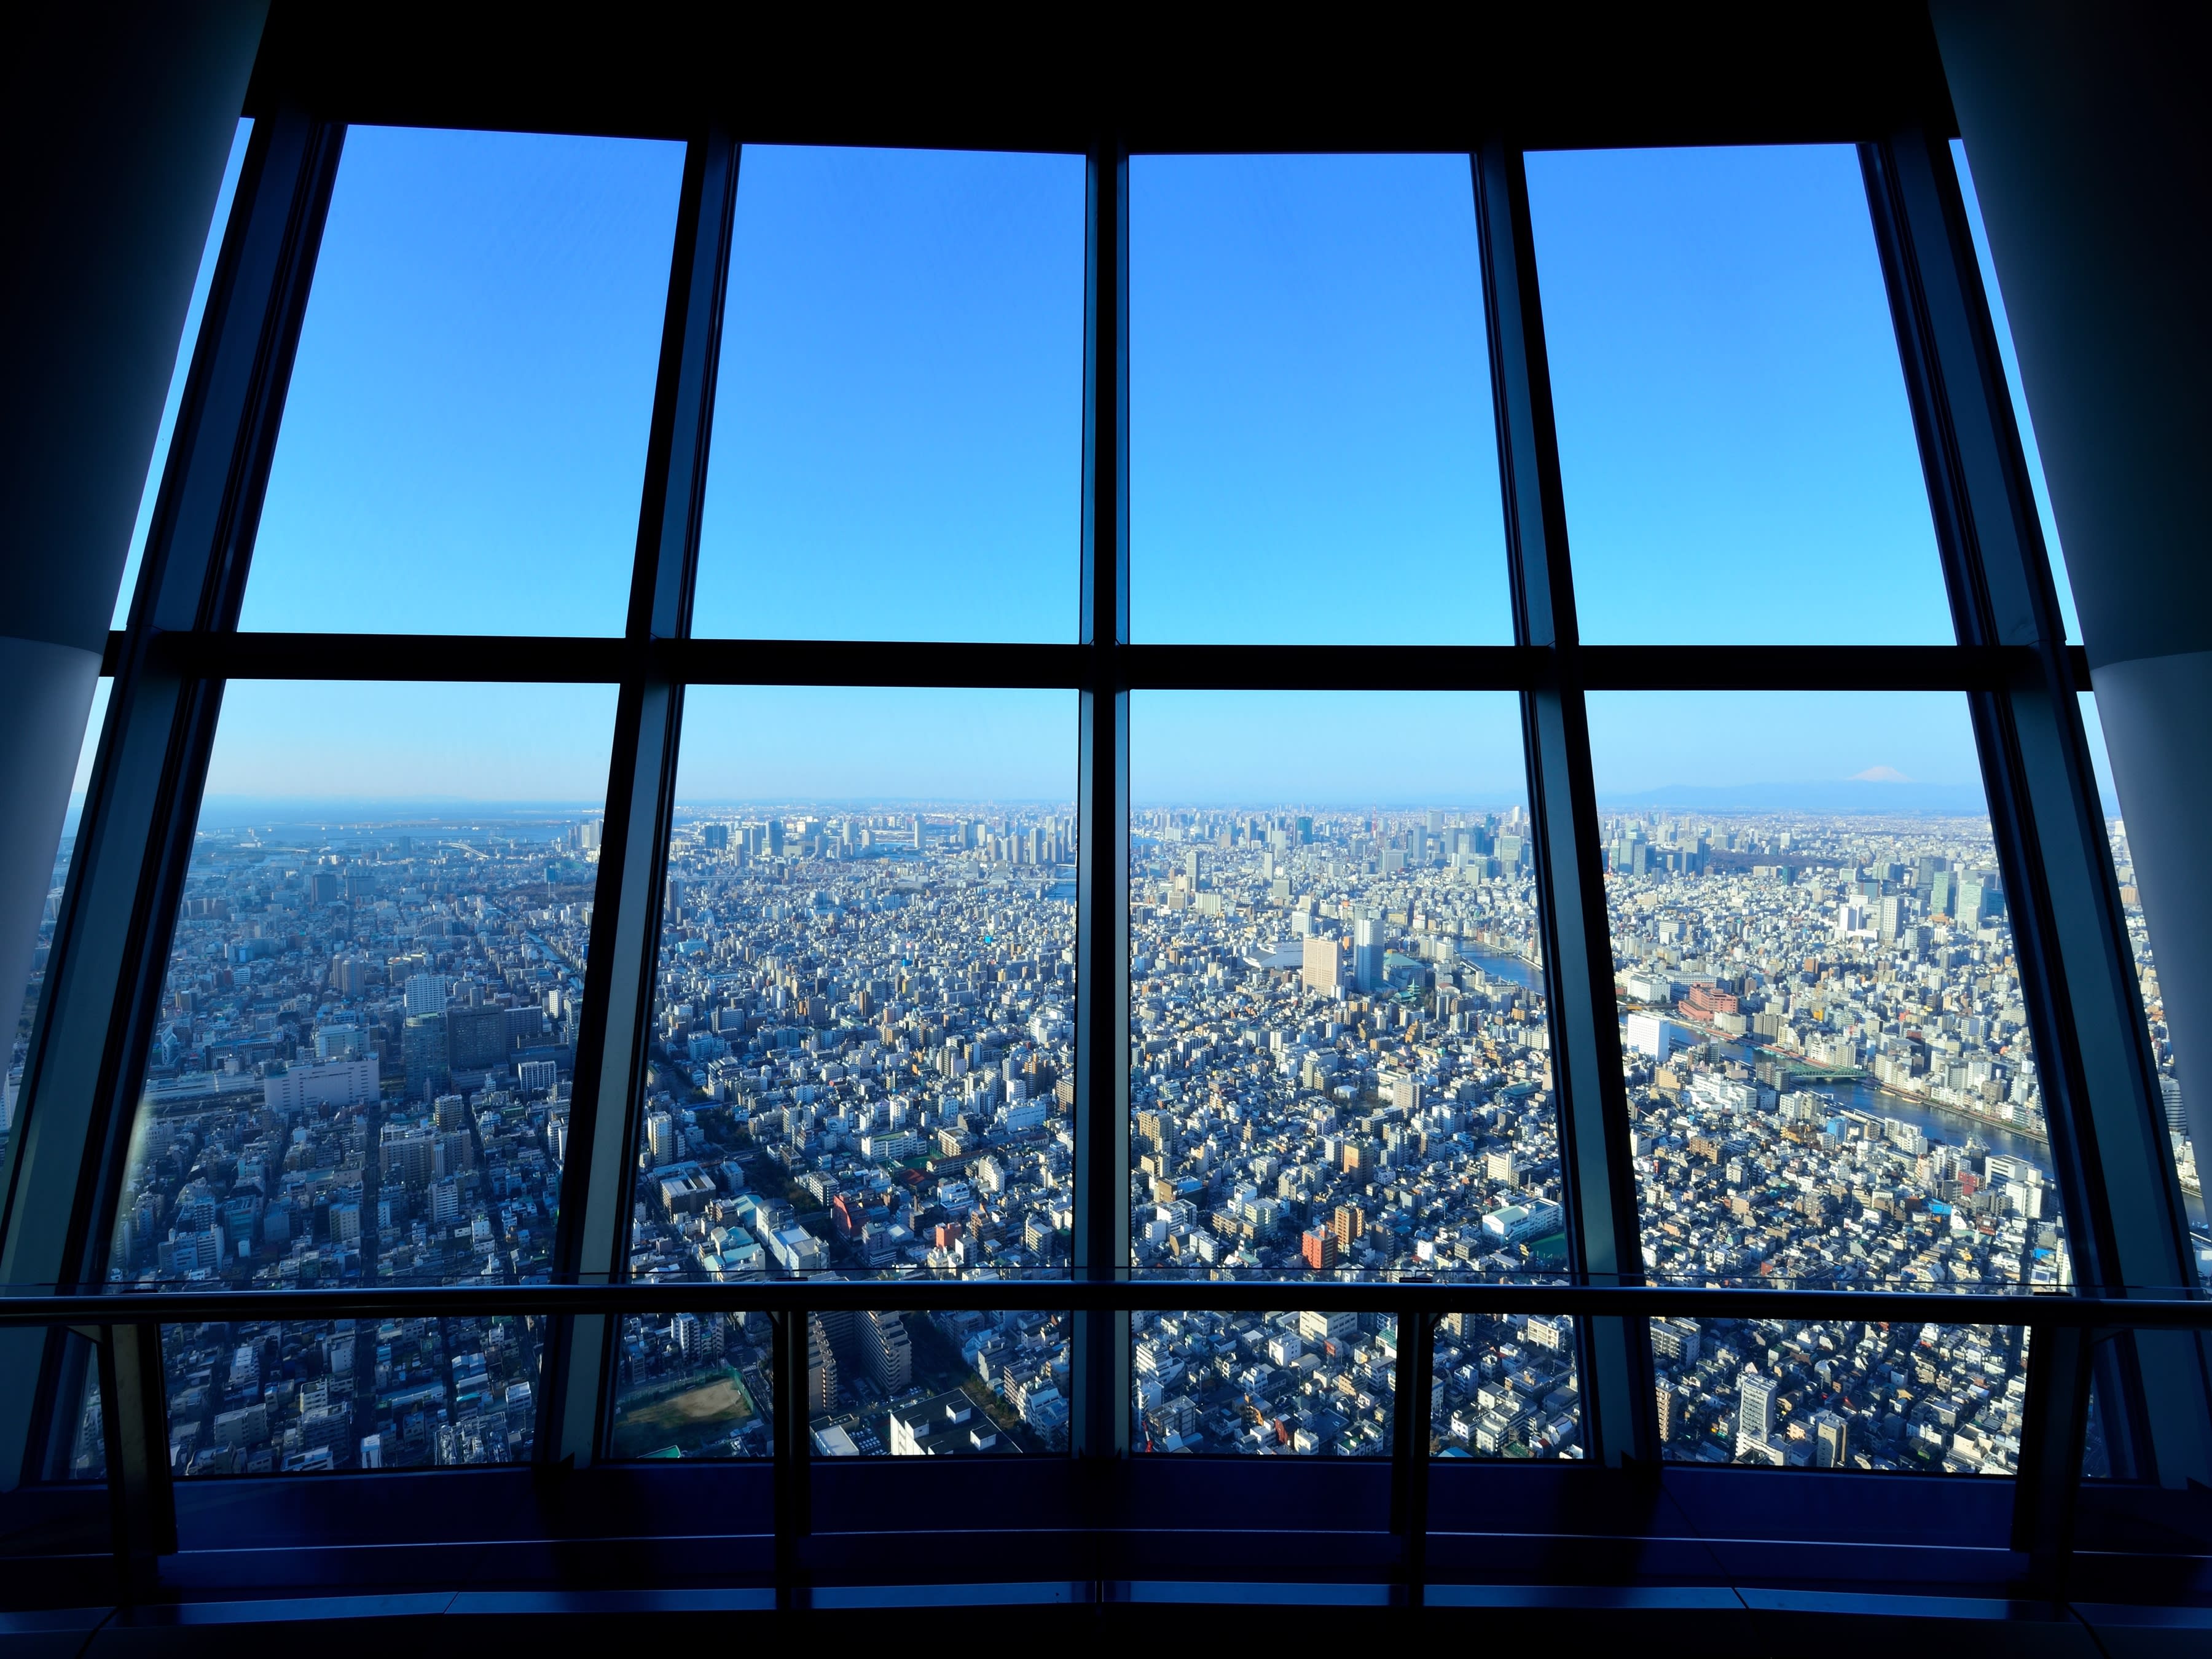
(685, 1420)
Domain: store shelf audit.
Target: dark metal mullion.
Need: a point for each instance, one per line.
(1618, 1420)
(1101, 1350)
(2094, 1062)
(622, 967)
(109, 956)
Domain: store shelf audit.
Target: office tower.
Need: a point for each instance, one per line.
(1322, 971)
(714, 837)
(886, 1350)
(1943, 894)
(1831, 1440)
(673, 904)
(661, 1139)
(423, 1054)
(1367, 954)
(775, 838)
(425, 994)
(1754, 1417)
(1890, 913)
(475, 1038)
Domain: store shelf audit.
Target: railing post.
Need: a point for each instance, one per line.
(794, 1518)
(2056, 1425)
(1412, 1434)
(134, 1420)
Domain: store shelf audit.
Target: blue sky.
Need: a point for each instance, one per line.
(463, 442)
(1311, 452)
(1735, 441)
(897, 448)
(896, 452)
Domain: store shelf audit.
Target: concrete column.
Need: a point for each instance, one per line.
(2090, 137)
(120, 118)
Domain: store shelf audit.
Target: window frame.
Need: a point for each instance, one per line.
(2115, 1166)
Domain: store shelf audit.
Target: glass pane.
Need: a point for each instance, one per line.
(363, 1065)
(696, 1385)
(1738, 453)
(181, 371)
(1338, 1057)
(1841, 1394)
(2019, 393)
(49, 915)
(915, 1384)
(1312, 456)
(1505, 1387)
(463, 442)
(2154, 995)
(900, 403)
(863, 1028)
(1265, 1384)
(1829, 1071)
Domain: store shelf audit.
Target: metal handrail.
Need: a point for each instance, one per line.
(2077, 1309)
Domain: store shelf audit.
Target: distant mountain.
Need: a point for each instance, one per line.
(1847, 795)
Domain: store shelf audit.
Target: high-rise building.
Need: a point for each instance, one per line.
(1318, 1248)
(1367, 954)
(1322, 971)
(1670, 1408)
(423, 1054)
(886, 1349)
(425, 994)
(661, 1139)
(1754, 1414)
(475, 1038)
(1831, 1440)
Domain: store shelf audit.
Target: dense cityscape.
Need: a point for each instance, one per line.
(863, 1035)
(361, 1073)
(862, 1065)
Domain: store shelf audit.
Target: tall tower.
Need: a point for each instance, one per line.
(1367, 954)
(1755, 1412)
